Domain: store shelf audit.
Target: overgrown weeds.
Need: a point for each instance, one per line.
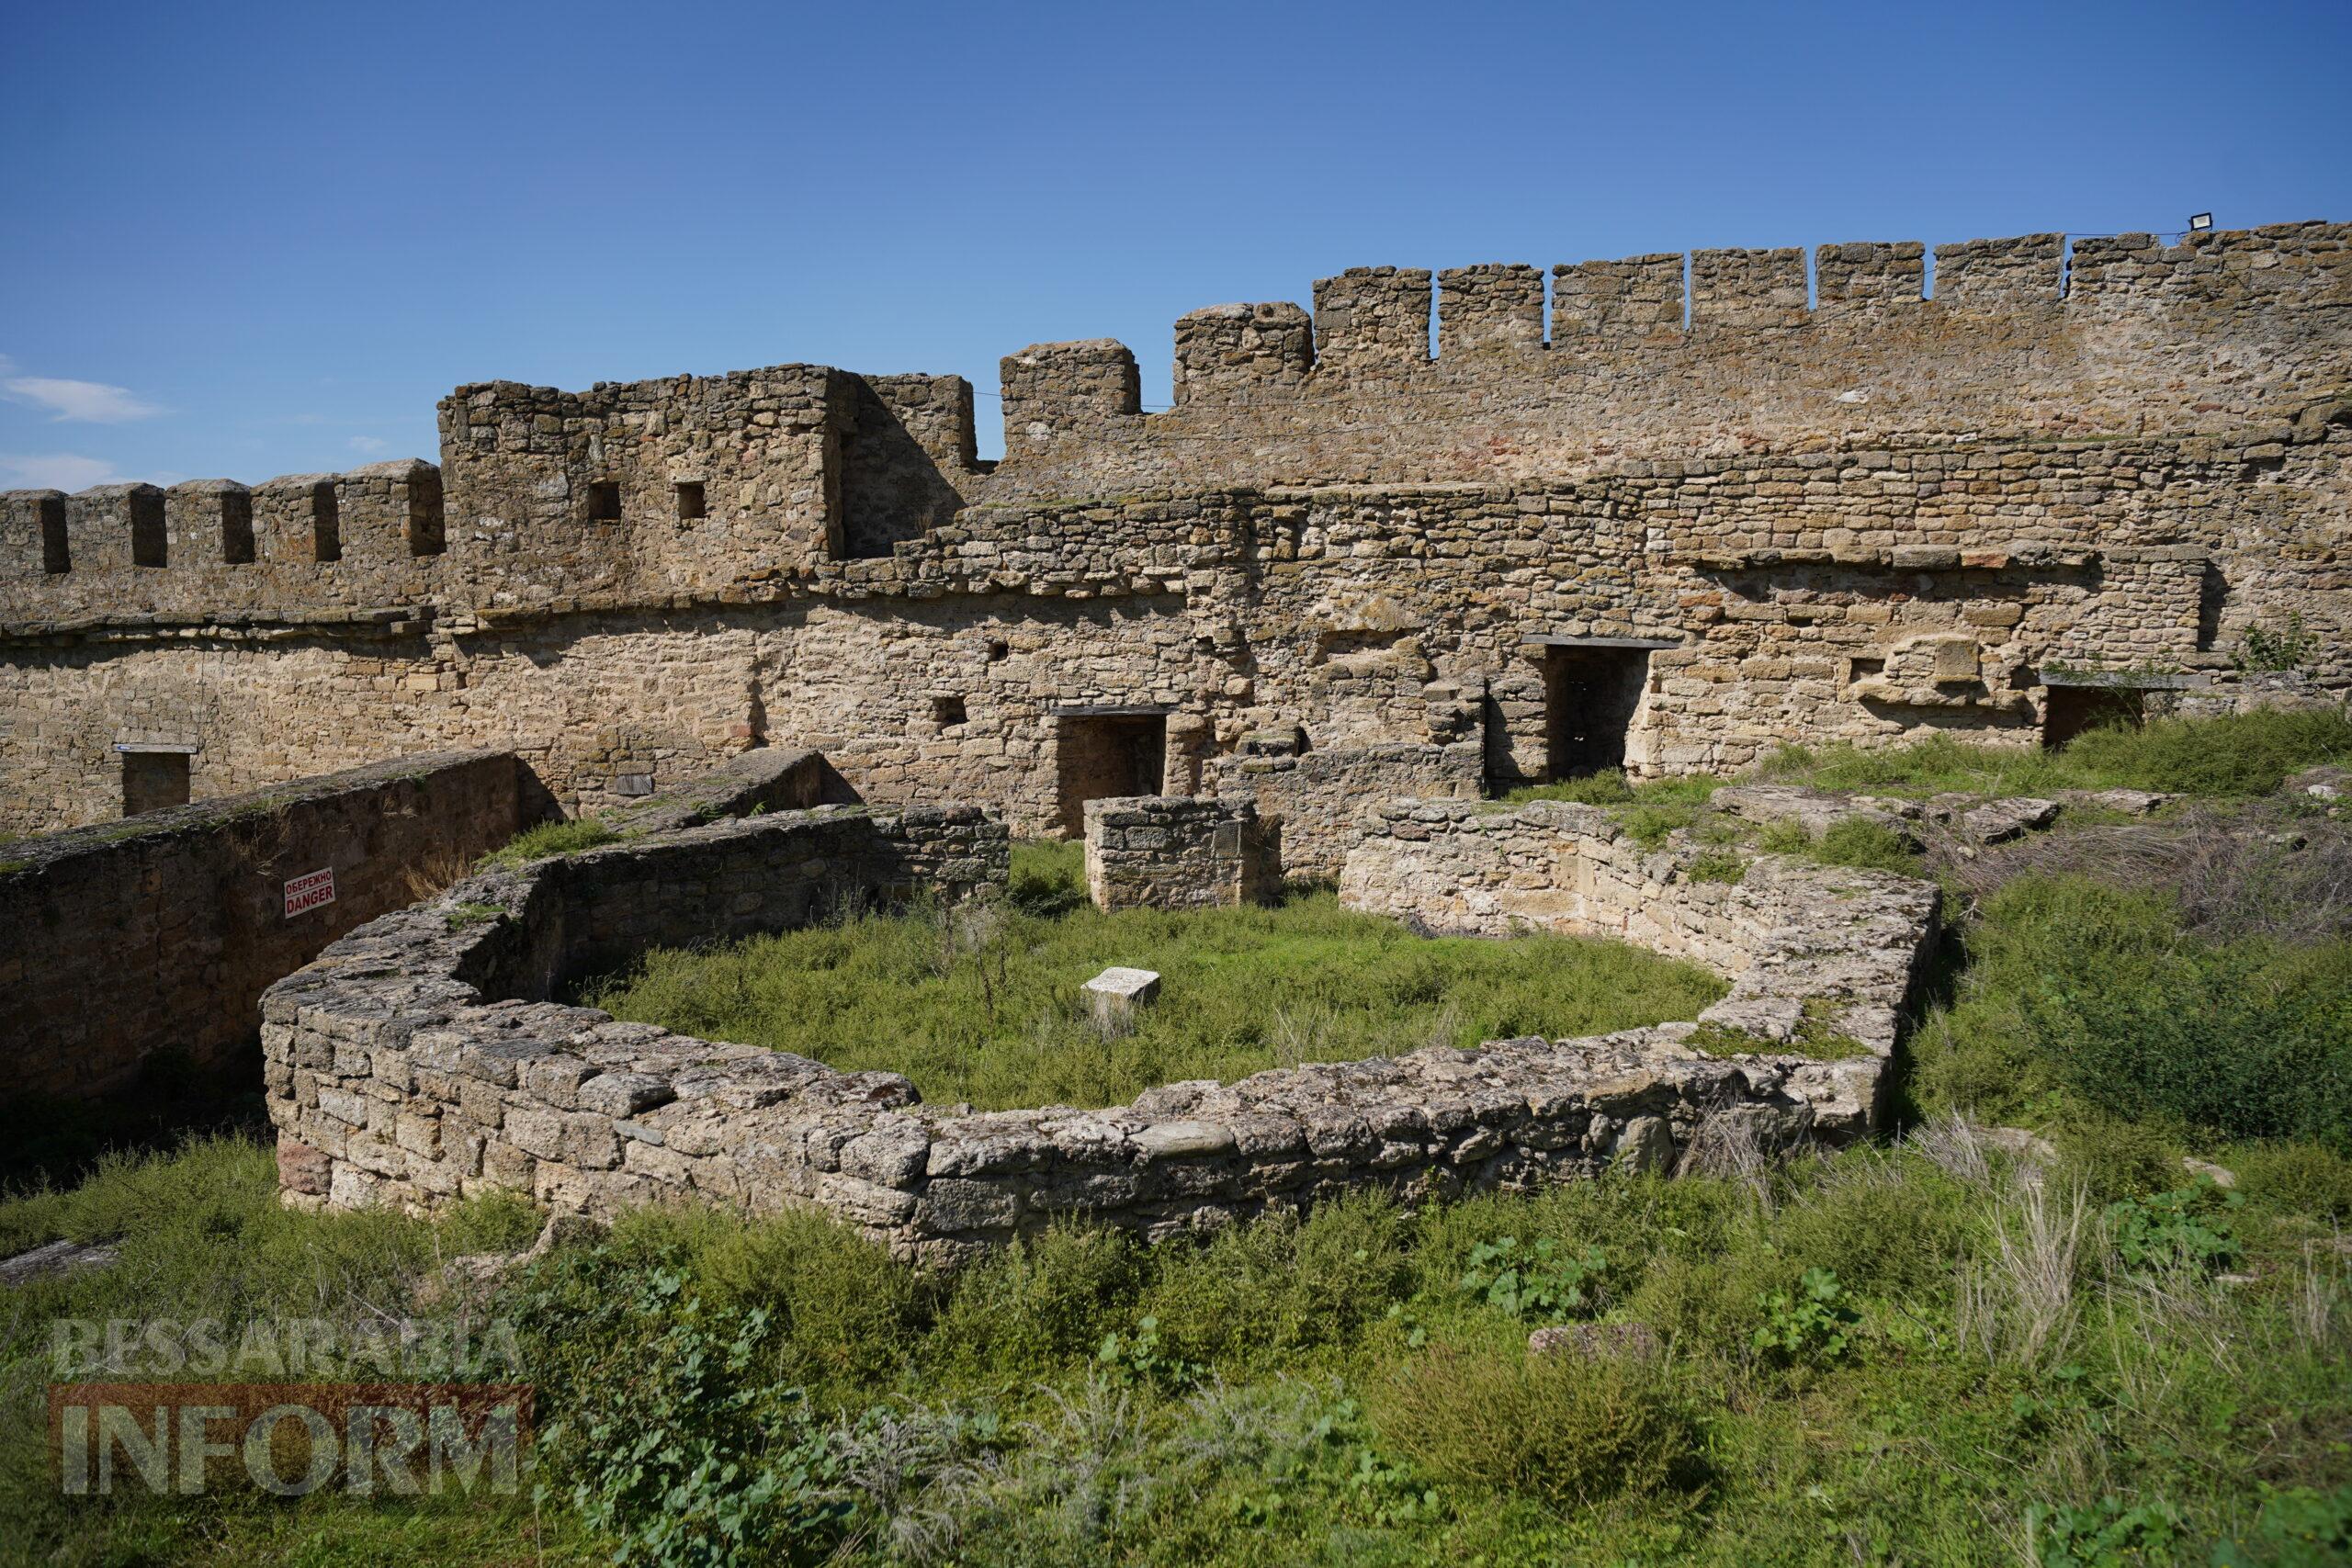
(981, 1004)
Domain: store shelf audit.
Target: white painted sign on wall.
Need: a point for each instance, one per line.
(311, 890)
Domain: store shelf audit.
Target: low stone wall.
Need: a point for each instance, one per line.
(1818, 956)
(768, 778)
(1319, 797)
(1178, 853)
(161, 932)
(419, 1059)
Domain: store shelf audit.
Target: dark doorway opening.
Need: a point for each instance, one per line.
(1108, 754)
(1589, 695)
(153, 781)
(2071, 710)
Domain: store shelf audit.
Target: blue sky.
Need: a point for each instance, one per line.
(253, 239)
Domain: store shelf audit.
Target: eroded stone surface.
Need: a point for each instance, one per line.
(414, 1063)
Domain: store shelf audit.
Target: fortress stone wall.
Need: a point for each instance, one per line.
(1665, 512)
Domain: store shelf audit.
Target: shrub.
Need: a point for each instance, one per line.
(2299, 1527)
(2243, 1040)
(2111, 1160)
(2289, 647)
(2237, 754)
(1543, 1282)
(1562, 1429)
(670, 1439)
(2296, 1179)
(2107, 1534)
(1040, 1302)
(1047, 879)
(1811, 1326)
(1898, 1227)
(2188, 1227)
(841, 1304)
(1279, 1283)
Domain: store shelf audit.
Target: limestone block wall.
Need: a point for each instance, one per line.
(161, 934)
(2126, 338)
(1321, 798)
(1334, 532)
(1180, 852)
(301, 547)
(1790, 594)
(1809, 949)
(420, 1059)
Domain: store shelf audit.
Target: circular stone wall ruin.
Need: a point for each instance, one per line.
(421, 1058)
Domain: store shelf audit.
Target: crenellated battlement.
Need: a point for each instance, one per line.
(684, 486)
(364, 535)
(1670, 352)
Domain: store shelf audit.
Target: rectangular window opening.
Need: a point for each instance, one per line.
(153, 781)
(947, 712)
(690, 499)
(605, 501)
(2068, 711)
(1591, 696)
(1100, 755)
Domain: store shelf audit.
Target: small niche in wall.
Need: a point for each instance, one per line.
(427, 534)
(605, 501)
(998, 651)
(947, 712)
(691, 503)
(1860, 670)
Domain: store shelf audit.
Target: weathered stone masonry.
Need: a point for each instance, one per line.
(420, 1059)
(162, 934)
(1576, 536)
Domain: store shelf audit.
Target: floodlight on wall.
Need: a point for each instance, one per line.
(2199, 222)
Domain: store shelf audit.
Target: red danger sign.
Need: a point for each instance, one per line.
(309, 891)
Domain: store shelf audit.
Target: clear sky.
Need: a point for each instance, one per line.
(250, 240)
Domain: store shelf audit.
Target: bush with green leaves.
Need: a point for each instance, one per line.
(1562, 1429)
(2108, 1533)
(2300, 1527)
(2189, 1227)
(2245, 1040)
(1811, 1326)
(1542, 1281)
(669, 1436)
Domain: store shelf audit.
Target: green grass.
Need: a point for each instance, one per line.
(1647, 811)
(981, 1004)
(548, 838)
(2082, 1001)
(1847, 1373)
(2245, 754)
